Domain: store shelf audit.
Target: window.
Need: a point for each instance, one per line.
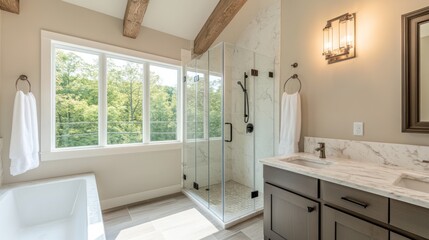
(104, 97)
(203, 96)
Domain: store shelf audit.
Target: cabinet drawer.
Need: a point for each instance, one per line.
(292, 181)
(341, 226)
(364, 203)
(411, 218)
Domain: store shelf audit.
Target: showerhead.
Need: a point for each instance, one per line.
(241, 85)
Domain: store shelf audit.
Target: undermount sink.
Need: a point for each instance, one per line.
(416, 183)
(312, 163)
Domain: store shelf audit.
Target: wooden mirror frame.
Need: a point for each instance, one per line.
(411, 71)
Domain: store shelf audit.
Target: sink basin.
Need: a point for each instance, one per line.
(312, 163)
(416, 183)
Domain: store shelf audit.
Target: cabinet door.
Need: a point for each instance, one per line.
(289, 216)
(341, 226)
(395, 236)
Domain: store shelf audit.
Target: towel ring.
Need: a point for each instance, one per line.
(22, 78)
(295, 76)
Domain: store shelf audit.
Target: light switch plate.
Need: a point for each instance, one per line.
(358, 128)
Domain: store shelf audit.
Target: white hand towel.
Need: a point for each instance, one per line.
(24, 140)
(290, 128)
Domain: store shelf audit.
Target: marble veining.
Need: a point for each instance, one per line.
(369, 177)
(401, 155)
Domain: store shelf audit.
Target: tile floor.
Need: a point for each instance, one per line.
(174, 218)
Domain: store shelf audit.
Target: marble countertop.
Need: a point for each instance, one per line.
(373, 178)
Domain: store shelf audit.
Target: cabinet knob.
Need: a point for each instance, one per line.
(310, 209)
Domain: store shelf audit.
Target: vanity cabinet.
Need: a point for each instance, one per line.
(291, 209)
(299, 207)
(289, 216)
(395, 236)
(411, 218)
(341, 226)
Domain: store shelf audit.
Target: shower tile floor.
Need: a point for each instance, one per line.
(238, 201)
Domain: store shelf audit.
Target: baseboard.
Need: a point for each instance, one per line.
(138, 197)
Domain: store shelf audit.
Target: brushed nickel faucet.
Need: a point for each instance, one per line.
(321, 149)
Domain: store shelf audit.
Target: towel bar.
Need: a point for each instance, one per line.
(22, 78)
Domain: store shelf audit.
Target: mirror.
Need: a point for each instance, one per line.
(415, 71)
(424, 72)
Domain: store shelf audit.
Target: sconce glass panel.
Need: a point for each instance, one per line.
(339, 38)
(327, 40)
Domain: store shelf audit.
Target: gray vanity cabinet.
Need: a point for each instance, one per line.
(289, 216)
(299, 207)
(341, 226)
(411, 218)
(395, 236)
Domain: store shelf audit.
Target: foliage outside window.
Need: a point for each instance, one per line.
(203, 96)
(101, 100)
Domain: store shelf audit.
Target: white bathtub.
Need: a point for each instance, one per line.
(65, 208)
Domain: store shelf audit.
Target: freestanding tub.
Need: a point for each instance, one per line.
(64, 208)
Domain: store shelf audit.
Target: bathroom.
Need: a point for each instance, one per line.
(142, 186)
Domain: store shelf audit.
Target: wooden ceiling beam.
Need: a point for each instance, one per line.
(10, 6)
(221, 16)
(134, 15)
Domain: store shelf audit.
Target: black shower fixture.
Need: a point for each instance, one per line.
(246, 97)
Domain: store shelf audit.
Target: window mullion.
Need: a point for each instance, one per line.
(146, 103)
(102, 106)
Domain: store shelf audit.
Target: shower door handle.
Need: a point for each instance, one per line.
(230, 132)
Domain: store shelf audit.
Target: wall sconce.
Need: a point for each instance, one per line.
(339, 38)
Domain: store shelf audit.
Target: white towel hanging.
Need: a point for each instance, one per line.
(290, 129)
(24, 141)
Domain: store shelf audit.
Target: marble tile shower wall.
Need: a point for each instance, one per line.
(402, 155)
(262, 36)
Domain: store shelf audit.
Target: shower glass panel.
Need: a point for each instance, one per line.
(202, 148)
(264, 116)
(228, 128)
(215, 119)
(239, 154)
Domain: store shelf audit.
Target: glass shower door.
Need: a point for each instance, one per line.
(264, 119)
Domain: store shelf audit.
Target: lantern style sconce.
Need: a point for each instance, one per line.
(339, 38)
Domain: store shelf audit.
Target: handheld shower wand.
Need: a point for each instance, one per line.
(246, 98)
(242, 87)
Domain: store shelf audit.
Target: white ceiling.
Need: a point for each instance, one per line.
(182, 18)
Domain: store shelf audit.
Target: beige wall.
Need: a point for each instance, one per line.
(367, 88)
(117, 175)
(1, 87)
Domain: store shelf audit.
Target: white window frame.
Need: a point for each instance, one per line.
(49, 41)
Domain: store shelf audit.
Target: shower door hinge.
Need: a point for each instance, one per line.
(184, 176)
(197, 78)
(254, 72)
(196, 186)
(184, 79)
(270, 74)
(254, 194)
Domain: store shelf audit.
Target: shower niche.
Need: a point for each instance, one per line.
(228, 127)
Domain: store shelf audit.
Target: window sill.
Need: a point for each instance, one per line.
(73, 153)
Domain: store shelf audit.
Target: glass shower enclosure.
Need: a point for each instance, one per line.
(228, 127)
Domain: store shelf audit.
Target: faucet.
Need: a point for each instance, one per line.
(321, 148)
